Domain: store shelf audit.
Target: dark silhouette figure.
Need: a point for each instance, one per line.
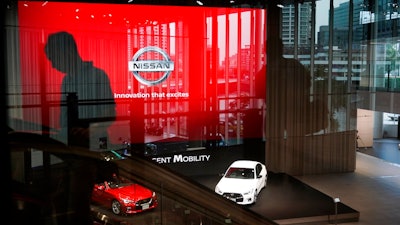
(297, 111)
(89, 100)
(87, 92)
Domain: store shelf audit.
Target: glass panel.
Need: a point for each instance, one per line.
(378, 44)
(55, 184)
(161, 80)
(306, 77)
(97, 90)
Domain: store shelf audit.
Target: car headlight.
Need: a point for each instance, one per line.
(248, 192)
(217, 190)
(127, 201)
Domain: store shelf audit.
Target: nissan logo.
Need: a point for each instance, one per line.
(166, 66)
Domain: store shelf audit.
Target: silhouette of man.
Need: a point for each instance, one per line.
(90, 86)
(87, 90)
(298, 110)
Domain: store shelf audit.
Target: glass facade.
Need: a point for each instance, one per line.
(351, 53)
(167, 81)
(188, 85)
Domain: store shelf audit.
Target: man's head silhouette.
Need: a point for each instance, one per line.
(62, 51)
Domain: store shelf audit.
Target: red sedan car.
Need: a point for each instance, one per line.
(124, 197)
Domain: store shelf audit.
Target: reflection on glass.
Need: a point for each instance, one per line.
(171, 77)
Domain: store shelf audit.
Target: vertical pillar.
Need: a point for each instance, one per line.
(195, 50)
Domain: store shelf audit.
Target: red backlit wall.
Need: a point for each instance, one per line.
(218, 54)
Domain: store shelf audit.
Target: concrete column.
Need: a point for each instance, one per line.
(378, 124)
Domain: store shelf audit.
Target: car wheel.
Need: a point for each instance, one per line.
(116, 207)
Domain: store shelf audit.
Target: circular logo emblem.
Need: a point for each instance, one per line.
(166, 66)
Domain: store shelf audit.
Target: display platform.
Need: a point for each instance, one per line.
(286, 200)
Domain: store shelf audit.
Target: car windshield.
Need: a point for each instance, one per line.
(241, 173)
(113, 184)
(118, 182)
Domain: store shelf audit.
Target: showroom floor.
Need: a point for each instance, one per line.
(373, 189)
(369, 196)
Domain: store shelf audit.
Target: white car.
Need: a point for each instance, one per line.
(243, 181)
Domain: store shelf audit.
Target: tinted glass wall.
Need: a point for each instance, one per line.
(151, 73)
(118, 79)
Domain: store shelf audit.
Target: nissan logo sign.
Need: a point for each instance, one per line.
(137, 66)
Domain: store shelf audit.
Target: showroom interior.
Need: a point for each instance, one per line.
(296, 85)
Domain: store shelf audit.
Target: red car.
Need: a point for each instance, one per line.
(124, 197)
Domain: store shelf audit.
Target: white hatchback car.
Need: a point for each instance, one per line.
(243, 181)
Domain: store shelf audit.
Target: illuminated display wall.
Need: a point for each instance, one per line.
(193, 73)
